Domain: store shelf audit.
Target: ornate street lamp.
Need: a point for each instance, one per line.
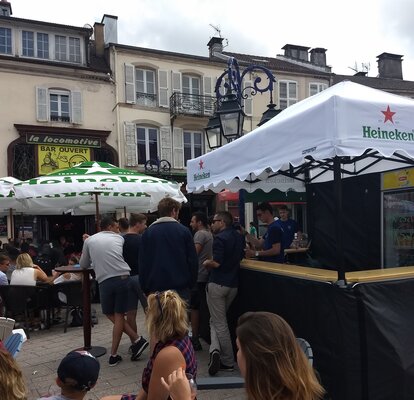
(269, 113)
(229, 116)
(213, 132)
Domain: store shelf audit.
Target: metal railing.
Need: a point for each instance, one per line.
(191, 105)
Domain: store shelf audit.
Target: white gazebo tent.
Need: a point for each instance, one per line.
(346, 130)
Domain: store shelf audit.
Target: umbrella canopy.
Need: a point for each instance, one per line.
(77, 189)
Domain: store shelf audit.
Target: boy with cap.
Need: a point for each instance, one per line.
(76, 375)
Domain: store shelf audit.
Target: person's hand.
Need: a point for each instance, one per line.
(249, 253)
(177, 385)
(85, 236)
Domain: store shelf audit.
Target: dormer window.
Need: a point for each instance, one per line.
(35, 44)
(67, 49)
(5, 41)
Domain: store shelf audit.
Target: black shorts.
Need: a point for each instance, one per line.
(114, 295)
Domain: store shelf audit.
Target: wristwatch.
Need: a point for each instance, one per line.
(256, 254)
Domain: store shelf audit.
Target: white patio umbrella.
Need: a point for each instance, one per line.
(93, 187)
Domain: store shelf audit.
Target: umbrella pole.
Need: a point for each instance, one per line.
(11, 223)
(97, 216)
(339, 219)
(125, 215)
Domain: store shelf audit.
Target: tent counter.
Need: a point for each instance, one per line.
(361, 334)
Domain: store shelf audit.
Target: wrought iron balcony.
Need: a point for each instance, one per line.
(191, 105)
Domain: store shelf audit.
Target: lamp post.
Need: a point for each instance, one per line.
(227, 122)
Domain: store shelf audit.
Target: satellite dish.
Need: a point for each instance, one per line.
(89, 26)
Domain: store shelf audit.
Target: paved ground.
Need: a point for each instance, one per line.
(41, 355)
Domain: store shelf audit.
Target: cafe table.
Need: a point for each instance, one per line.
(294, 255)
(96, 351)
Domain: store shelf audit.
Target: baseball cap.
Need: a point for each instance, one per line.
(80, 367)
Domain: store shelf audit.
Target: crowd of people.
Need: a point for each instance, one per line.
(181, 280)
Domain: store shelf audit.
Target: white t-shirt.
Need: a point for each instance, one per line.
(23, 276)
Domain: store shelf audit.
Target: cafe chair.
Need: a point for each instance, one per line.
(6, 327)
(19, 300)
(306, 348)
(13, 343)
(72, 297)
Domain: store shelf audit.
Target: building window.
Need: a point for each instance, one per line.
(74, 50)
(147, 143)
(28, 43)
(191, 94)
(193, 145)
(5, 41)
(32, 47)
(43, 45)
(59, 106)
(67, 49)
(288, 93)
(315, 88)
(145, 87)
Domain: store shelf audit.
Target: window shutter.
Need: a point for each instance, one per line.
(208, 93)
(42, 105)
(76, 99)
(178, 148)
(129, 83)
(163, 88)
(131, 150)
(166, 144)
(176, 81)
(248, 103)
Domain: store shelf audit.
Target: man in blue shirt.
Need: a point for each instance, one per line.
(270, 247)
(288, 226)
(4, 266)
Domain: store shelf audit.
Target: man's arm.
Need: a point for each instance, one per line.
(85, 260)
(192, 259)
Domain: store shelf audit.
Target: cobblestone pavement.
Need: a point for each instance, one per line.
(41, 354)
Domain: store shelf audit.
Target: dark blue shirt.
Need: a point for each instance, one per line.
(228, 250)
(289, 228)
(272, 236)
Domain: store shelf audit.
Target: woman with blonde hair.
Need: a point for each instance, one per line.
(12, 386)
(167, 324)
(271, 362)
(27, 273)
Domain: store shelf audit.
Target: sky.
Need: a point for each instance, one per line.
(354, 32)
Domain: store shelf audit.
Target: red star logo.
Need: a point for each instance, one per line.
(201, 163)
(103, 185)
(388, 115)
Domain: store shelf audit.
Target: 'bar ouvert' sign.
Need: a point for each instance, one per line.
(82, 141)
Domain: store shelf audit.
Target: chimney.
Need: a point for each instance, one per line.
(215, 45)
(390, 66)
(5, 8)
(296, 52)
(98, 33)
(318, 56)
(110, 23)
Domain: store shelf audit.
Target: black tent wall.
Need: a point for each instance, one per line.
(361, 229)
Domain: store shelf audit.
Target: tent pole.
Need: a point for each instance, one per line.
(339, 220)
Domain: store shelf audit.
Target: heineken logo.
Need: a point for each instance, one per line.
(89, 179)
(388, 114)
(370, 132)
(203, 175)
(88, 194)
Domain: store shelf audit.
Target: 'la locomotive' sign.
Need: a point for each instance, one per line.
(63, 140)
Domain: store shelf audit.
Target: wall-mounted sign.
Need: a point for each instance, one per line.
(401, 179)
(54, 158)
(51, 140)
